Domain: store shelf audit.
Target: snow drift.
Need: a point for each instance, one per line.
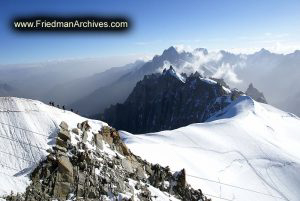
(249, 151)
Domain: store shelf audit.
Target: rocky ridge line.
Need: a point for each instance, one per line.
(255, 94)
(99, 166)
(168, 101)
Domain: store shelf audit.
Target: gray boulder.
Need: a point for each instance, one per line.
(99, 141)
(64, 125)
(65, 167)
(64, 135)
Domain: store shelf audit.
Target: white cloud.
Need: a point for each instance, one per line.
(276, 46)
(282, 43)
(166, 65)
(183, 48)
(226, 71)
(199, 61)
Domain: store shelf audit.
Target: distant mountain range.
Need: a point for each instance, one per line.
(60, 81)
(272, 73)
(85, 86)
(47, 152)
(77, 87)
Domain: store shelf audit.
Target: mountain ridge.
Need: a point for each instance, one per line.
(50, 153)
(168, 101)
(50, 83)
(259, 67)
(255, 94)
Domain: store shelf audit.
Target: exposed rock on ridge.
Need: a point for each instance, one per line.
(255, 94)
(168, 101)
(101, 168)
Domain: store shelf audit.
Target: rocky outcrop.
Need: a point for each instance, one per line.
(255, 94)
(168, 101)
(87, 171)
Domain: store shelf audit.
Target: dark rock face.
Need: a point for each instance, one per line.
(255, 94)
(164, 101)
(80, 173)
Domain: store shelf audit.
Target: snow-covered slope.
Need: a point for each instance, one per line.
(250, 151)
(27, 130)
(172, 72)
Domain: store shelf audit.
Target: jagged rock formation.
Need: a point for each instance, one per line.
(101, 167)
(168, 101)
(255, 94)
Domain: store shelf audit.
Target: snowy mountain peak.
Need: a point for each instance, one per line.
(170, 52)
(167, 101)
(264, 52)
(171, 72)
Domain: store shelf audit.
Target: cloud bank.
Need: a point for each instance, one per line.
(208, 64)
(226, 72)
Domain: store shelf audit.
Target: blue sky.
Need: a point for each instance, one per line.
(235, 25)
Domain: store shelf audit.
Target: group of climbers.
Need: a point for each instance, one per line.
(51, 103)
